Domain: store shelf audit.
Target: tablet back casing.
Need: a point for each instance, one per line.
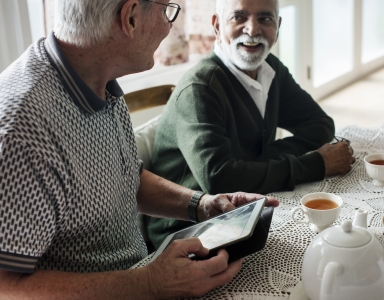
(256, 242)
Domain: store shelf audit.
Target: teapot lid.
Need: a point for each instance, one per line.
(347, 236)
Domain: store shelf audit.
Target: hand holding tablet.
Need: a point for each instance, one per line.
(241, 231)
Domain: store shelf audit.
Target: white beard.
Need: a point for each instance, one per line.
(242, 59)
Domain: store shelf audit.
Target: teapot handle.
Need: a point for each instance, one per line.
(302, 211)
(331, 270)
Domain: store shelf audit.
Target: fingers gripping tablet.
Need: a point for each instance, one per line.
(241, 231)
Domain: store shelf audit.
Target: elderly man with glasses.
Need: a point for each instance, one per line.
(71, 182)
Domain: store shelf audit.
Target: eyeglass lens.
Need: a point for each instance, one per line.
(171, 12)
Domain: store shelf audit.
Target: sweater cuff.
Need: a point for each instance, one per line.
(313, 168)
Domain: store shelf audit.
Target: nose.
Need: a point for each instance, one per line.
(252, 27)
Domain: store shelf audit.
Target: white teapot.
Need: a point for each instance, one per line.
(345, 262)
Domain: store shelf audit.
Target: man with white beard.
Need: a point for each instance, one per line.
(217, 132)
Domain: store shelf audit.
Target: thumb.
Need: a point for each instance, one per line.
(191, 245)
(225, 204)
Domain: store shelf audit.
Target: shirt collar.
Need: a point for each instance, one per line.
(81, 94)
(265, 71)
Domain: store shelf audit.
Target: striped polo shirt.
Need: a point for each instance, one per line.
(69, 171)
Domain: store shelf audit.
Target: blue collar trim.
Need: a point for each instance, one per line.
(81, 94)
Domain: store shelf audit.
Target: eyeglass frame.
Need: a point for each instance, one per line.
(340, 139)
(174, 5)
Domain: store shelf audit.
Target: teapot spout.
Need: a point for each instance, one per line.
(360, 218)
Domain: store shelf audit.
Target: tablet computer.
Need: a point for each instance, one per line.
(232, 231)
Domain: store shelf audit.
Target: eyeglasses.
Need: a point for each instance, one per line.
(171, 10)
(339, 139)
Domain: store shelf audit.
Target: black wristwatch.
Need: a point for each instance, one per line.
(193, 204)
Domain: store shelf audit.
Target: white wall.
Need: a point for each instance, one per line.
(36, 17)
(15, 33)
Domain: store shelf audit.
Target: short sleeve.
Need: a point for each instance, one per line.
(27, 214)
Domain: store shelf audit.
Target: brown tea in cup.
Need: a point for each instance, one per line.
(379, 162)
(321, 204)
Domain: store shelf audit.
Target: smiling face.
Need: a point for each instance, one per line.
(246, 31)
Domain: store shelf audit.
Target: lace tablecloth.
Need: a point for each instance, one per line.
(272, 273)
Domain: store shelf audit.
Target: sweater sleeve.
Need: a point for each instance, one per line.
(299, 114)
(206, 139)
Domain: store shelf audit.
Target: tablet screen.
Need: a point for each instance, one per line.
(219, 230)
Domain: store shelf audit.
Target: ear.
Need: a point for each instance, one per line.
(129, 17)
(216, 27)
(278, 29)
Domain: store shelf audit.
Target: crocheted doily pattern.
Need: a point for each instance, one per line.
(272, 273)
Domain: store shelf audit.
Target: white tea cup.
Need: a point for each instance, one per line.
(319, 209)
(375, 168)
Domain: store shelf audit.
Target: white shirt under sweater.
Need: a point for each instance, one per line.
(257, 89)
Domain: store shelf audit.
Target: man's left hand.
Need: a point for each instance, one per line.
(211, 206)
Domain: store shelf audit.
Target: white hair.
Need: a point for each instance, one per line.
(220, 7)
(220, 4)
(85, 22)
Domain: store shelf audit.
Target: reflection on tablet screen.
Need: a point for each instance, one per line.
(220, 230)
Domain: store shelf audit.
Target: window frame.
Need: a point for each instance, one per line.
(16, 30)
(305, 51)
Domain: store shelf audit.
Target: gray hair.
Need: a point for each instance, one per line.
(86, 22)
(220, 4)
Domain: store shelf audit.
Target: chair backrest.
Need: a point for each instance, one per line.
(145, 133)
(148, 98)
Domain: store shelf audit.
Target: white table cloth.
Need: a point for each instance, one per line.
(272, 273)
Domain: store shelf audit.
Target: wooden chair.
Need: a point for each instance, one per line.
(148, 98)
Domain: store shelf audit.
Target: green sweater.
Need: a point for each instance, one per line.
(212, 137)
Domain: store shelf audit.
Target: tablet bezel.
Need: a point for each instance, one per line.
(246, 233)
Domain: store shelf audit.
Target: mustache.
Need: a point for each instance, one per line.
(250, 39)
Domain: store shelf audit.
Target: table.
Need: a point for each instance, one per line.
(272, 273)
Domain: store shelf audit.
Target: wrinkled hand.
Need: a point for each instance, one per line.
(210, 206)
(338, 158)
(174, 275)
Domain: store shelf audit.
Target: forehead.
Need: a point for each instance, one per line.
(250, 6)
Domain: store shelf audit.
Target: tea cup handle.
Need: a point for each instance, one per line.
(303, 212)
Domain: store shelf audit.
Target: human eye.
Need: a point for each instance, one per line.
(166, 12)
(238, 18)
(267, 20)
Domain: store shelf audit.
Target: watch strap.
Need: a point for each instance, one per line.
(193, 204)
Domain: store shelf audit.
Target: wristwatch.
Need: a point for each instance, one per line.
(193, 204)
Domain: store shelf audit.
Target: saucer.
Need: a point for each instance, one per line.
(298, 293)
(377, 183)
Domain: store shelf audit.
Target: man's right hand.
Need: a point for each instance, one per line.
(174, 275)
(338, 158)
